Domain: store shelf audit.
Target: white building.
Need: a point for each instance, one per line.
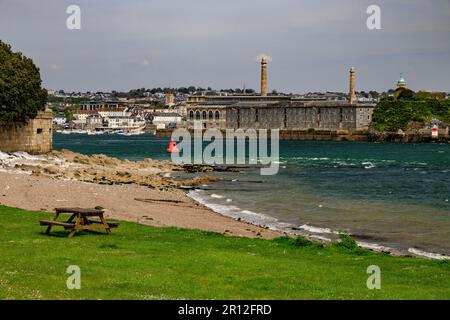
(119, 112)
(94, 120)
(81, 116)
(124, 122)
(59, 120)
(163, 120)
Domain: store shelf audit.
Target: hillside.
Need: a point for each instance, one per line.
(406, 109)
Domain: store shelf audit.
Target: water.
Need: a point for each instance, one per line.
(397, 195)
(122, 147)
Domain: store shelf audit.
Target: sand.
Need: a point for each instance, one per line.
(140, 191)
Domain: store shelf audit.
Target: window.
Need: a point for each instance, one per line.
(217, 115)
(210, 115)
(256, 115)
(39, 131)
(197, 115)
(191, 115)
(204, 115)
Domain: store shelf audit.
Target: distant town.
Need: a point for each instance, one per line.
(157, 108)
(162, 109)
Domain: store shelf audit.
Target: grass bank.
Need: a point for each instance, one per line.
(141, 262)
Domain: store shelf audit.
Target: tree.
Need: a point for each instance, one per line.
(68, 114)
(21, 95)
(404, 94)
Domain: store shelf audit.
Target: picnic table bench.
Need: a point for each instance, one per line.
(80, 219)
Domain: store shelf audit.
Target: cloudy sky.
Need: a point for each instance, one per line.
(148, 43)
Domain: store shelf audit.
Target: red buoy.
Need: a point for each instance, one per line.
(172, 147)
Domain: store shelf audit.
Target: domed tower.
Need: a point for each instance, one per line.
(401, 84)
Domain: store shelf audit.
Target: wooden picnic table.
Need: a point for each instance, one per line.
(80, 219)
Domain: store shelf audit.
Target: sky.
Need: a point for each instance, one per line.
(172, 43)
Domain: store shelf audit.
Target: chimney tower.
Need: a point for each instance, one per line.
(352, 94)
(263, 76)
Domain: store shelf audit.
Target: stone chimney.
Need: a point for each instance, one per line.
(263, 76)
(351, 93)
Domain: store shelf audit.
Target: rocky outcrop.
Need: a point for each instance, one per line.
(101, 169)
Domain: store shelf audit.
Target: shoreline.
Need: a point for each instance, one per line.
(319, 234)
(157, 202)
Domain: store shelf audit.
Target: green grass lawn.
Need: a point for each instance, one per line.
(142, 262)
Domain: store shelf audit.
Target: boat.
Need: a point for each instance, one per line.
(136, 132)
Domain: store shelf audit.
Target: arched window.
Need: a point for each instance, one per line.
(191, 114)
(210, 115)
(217, 115)
(204, 115)
(197, 115)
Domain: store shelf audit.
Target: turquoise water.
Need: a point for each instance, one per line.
(395, 195)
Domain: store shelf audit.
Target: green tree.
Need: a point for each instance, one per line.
(403, 94)
(21, 94)
(68, 114)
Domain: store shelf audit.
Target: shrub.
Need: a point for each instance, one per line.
(347, 242)
(297, 242)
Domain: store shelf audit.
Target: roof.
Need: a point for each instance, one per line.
(86, 112)
(112, 110)
(165, 114)
(102, 102)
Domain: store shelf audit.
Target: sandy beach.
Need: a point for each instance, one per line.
(140, 191)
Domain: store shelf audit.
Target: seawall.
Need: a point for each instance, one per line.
(305, 135)
(34, 137)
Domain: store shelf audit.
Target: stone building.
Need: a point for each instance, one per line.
(319, 115)
(102, 105)
(208, 115)
(170, 99)
(34, 137)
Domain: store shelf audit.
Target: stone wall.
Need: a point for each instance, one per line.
(34, 137)
(302, 116)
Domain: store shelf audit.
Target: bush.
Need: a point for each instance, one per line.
(297, 242)
(347, 242)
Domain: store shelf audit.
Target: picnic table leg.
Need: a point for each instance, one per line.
(55, 217)
(103, 220)
(77, 225)
(72, 217)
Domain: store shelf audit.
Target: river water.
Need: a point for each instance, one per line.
(395, 195)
